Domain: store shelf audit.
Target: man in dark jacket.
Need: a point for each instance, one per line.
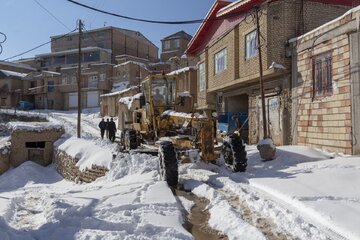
(102, 126)
(107, 128)
(112, 130)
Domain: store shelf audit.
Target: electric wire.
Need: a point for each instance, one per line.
(2, 41)
(136, 19)
(39, 46)
(58, 20)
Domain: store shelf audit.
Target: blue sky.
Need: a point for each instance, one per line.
(27, 25)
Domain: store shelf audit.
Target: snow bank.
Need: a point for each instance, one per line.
(86, 153)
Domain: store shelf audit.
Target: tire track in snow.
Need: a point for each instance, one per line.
(287, 221)
(265, 225)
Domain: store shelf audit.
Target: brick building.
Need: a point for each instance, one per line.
(120, 41)
(228, 70)
(326, 93)
(174, 45)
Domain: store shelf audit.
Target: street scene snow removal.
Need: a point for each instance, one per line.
(204, 120)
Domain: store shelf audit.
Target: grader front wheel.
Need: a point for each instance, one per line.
(168, 163)
(234, 153)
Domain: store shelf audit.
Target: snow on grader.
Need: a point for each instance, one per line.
(164, 123)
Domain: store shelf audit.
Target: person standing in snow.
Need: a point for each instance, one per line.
(102, 126)
(112, 130)
(107, 127)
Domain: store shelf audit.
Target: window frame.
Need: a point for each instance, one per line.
(222, 54)
(177, 43)
(249, 55)
(201, 77)
(167, 44)
(322, 84)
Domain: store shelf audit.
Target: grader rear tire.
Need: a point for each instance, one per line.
(235, 154)
(168, 163)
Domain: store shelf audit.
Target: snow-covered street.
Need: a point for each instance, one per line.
(303, 194)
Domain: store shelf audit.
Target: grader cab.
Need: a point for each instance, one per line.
(166, 123)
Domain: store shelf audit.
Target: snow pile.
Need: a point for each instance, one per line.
(86, 153)
(36, 203)
(129, 100)
(34, 126)
(181, 114)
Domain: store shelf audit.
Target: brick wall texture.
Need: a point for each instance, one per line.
(325, 122)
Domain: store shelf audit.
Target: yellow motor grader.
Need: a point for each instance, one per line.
(166, 124)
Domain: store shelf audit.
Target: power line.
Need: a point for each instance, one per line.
(58, 20)
(136, 19)
(39, 46)
(2, 41)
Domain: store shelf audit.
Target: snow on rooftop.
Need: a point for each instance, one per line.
(18, 65)
(119, 86)
(129, 100)
(8, 73)
(119, 92)
(143, 65)
(181, 114)
(181, 70)
(34, 126)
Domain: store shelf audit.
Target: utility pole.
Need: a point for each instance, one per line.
(261, 73)
(79, 83)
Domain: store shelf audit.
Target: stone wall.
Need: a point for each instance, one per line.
(66, 166)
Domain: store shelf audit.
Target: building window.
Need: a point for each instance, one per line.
(220, 61)
(251, 44)
(101, 45)
(322, 84)
(50, 86)
(69, 38)
(167, 45)
(91, 57)
(102, 76)
(176, 43)
(100, 34)
(202, 77)
(85, 36)
(93, 81)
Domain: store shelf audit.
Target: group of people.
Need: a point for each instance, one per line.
(109, 127)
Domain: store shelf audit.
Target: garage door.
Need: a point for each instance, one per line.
(73, 100)
(93, 99)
